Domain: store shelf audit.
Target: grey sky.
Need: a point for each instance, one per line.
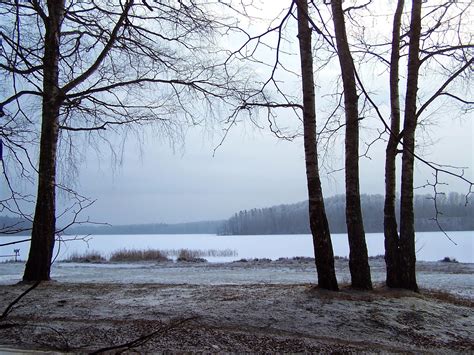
(252, 169)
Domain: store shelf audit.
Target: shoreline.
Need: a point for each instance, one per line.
(454, 278)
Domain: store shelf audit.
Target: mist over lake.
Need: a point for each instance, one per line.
(430, 246)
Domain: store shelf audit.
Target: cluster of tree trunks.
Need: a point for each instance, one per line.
(400, 248)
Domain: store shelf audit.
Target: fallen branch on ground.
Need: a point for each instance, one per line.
(145, 338)
(16, 300)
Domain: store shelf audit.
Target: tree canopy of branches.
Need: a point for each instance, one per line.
(91, 66)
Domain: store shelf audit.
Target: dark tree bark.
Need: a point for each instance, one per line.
(358, 256)
(407, 225)
(390, 218)
(317, 215)
(44, 223)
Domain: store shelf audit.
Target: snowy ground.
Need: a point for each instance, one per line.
(245, 306)
(456, 278)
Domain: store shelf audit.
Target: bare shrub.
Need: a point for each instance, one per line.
(87, 257)
(447, 259)
(188, 255)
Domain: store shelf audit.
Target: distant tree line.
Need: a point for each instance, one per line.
(294, 218)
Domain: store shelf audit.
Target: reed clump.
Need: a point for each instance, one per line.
(131, 255)
(151, 255)
(87, 257)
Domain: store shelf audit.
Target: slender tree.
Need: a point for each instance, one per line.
(390, 218)
(439, 51)
(407, 218)
(358, 256)
(317, 215)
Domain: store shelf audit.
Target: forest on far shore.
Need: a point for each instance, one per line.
(453, 215)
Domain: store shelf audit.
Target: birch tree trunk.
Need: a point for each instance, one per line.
(390, 218)
(407, 227)
(318, 221)
(44, 223)
(358, 256)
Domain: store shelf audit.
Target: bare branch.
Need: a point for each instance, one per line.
(100, 58)
(443, 86)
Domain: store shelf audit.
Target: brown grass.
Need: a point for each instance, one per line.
(130, 255)
(156, 255)
(447, 297)
(381, 291)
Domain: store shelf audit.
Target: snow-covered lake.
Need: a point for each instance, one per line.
(431, 246)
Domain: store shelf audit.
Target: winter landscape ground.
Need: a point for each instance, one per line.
(266, 306)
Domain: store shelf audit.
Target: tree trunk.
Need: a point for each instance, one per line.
(358, 256)
(390, 218)
(44, 223)
(407, 225)
(317, 215)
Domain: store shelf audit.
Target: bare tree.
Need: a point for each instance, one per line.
(390, 218)
(407, 218)
(462, 60)
(317, 215)
(358, 256)
(93, 66)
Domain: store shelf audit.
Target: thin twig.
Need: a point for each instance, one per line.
(17, 242)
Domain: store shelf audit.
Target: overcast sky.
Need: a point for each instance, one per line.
(252, 169)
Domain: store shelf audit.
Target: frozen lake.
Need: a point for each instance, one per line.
(456, 278)
(431, 246)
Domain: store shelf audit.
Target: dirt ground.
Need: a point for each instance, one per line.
(211, 318)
